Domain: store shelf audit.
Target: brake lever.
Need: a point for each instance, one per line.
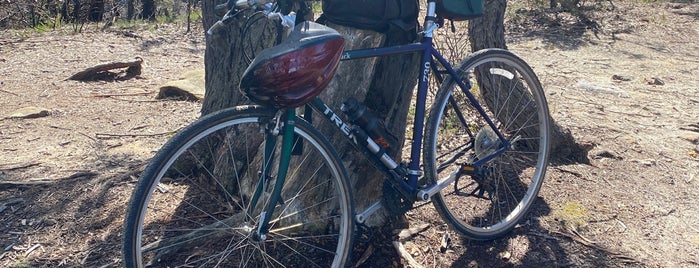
(287, 21)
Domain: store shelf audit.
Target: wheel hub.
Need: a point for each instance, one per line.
(487, 142)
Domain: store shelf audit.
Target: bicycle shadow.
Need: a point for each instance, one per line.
(539, 240)
(528, 245)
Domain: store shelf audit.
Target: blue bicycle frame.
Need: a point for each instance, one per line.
(409, 188)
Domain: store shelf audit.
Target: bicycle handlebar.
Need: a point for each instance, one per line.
(234, 5)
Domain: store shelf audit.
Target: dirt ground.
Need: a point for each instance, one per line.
(623, 80)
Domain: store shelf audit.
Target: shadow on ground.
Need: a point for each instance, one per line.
(563, 29)
(79, 218)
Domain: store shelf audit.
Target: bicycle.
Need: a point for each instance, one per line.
(261, 186)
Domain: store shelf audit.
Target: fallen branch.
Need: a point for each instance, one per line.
(84, 174)
(405, 254)
(101, 71)
(404, 235)
(108, 135)
(10, 202)
(17, 167)
(410, 232)
(81, 174)
(577, 237)
(121, 94)
(26, 183)
(120, 99)
(26, 253)
(365, 256)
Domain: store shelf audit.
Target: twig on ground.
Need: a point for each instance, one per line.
(577, 237)
(81, 174)
(122, 94)
(9, 92)
(109, 135)
(405, 254)
(410, 232)
(59, 127)
(365, 256)
(575, 232)
(44, 181)
(115, 98)
(542, 235)
(22, 166)
(574, 173)
(26, 253)
(10, 202)
(88, 136)
(26, 183)
(621, 223)
(404, 235)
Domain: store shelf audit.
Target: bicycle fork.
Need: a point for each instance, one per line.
(264, 177)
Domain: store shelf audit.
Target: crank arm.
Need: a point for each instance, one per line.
(361, 217)
(427, 193)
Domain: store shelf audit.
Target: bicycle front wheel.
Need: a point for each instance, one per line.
(194, 204)
(488, 202)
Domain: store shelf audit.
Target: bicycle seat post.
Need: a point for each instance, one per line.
(430, 18)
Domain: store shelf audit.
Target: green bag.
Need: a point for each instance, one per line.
(459, 9)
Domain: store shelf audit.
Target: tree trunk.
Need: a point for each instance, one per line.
(64, 11)
(96, 12)
(76, 11)
(488, 31)
(228, 54)
(130, 9)
(148, 10)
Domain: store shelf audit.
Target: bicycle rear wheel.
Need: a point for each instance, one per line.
(489, 203)
(192, 204)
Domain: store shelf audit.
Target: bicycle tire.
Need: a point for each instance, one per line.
(490, 203)
(189, 207)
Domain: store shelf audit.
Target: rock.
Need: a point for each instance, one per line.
(190, 86)
(617, 77)
(692, 137)
(606, 154)
(445, 242)
(505, 255)
(655, 81)
(29, 112)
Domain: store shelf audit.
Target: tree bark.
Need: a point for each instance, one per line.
(488, 31)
